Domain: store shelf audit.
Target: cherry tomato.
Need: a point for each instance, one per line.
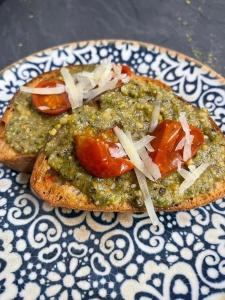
(167, 135)
(94, 156)
(126, 70)
(51, 104)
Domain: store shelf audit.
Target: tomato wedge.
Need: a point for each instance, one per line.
(51, 104)
(94, 156)
(167, 135)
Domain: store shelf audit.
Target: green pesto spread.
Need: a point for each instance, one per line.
(130, 107)
(28, 129)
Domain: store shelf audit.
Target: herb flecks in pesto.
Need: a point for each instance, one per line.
(130, 107)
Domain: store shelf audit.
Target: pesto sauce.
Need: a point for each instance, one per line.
(28, 129)
(130, 107)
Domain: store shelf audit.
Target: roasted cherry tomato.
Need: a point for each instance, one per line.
(167, 135)
(51, 104)
(94, 156)
(127, 70)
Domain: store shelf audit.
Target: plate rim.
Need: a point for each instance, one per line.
(134, 42)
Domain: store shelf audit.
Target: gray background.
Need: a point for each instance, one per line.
(194, 27)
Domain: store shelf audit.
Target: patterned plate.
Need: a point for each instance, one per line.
(48, 253)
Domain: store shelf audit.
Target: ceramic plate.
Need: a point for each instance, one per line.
(48, 253)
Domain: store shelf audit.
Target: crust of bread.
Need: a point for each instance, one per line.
(8, 156)
(48, 186)
(58, 192)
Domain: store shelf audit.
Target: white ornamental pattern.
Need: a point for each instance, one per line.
(65, 254)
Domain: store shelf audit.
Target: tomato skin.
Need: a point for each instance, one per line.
(127, 70)
(94, 156)
(57, 103)
(167, 135)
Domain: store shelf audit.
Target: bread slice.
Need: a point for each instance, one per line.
(52, 188)
(58, 192)
(8, 156)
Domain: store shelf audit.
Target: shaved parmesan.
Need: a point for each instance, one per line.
(192, 168)
(105, 77)
(180, 145)
(149, 148)
(188, 138)
(75, 92)
(117, 69)
(144, 142)
(177, 163)
(117, 152)
(87, 78)
(43, 91)
(147, 197)
(191, 176)
(184, 173)
(149, 164)
(109, 85)
(155, 117)
(131, 151)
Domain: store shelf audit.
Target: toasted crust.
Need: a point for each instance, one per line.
(47, 185)
(8, 156)
(60, 193)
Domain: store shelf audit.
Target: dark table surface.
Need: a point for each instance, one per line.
(194, 27)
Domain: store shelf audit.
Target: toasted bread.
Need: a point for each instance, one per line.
(50, 187)
(60, 193)
(8, 156)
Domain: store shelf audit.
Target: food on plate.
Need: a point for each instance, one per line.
(27, 120)
(129, 144)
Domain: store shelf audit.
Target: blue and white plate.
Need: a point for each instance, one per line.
(48, 253)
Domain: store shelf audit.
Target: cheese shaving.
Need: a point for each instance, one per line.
(147, 197)
(177, 163)
(188, 137)
(155, 117)
(145, 192)
(149, 164)
(43, 91)
(105, 77)
(191, 176)
(149, 147)
(143, 142)
(75, 92)
(131, 151)
(117, 152)
(180, 145)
